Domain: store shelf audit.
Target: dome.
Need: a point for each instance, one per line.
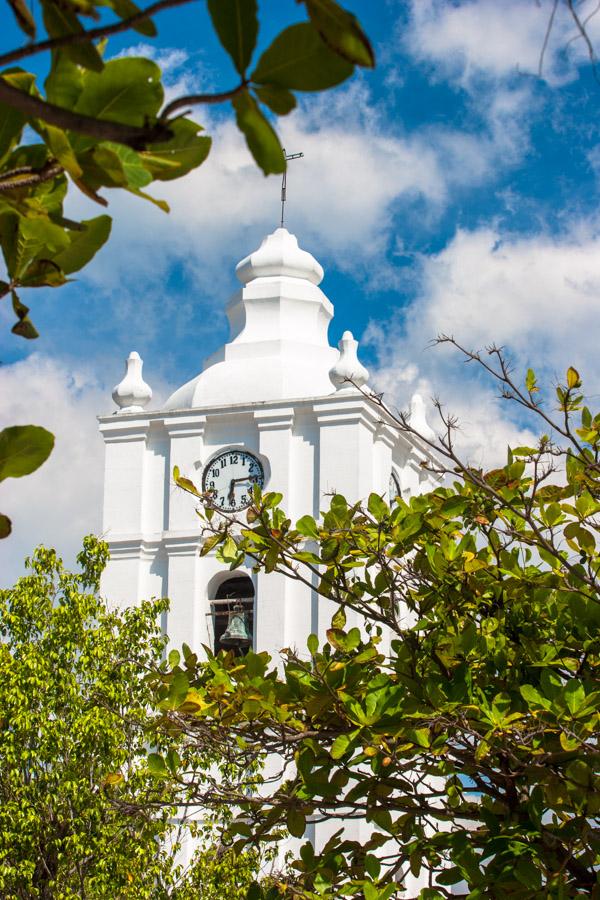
(279, 254)
(278, 347)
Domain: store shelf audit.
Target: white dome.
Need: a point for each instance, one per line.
(279, 254)
(278, 322)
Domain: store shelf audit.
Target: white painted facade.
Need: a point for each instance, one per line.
(278, 390)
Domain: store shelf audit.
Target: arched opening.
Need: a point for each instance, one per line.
(233, 615)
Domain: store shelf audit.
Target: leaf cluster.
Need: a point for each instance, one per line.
(454, 705)
(104, 125)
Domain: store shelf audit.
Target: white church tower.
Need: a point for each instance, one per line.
(272, 406)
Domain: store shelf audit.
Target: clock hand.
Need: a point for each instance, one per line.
(231, 494)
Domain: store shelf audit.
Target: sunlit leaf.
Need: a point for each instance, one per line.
(23, 449)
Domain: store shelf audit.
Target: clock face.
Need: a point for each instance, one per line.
(230, 476)
(394, 489)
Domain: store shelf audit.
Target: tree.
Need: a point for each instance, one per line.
(103, 124)
(456, 703)
(74, 774)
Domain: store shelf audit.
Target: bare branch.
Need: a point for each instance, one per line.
(547, 37)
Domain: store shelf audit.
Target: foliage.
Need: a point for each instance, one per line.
(23, 449)
(73, 743)
(72, 713)
(102, 124)
(455, 705)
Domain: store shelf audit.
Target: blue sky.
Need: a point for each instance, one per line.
(452, 189)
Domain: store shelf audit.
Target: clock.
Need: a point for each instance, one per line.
(229, 478)
(394, 490)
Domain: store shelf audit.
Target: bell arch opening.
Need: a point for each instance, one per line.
(233, 615)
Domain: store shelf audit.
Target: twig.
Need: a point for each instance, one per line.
(26, 176)
(547, 37)
(196, 99)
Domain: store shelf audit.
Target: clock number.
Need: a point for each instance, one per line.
(233, 459)
(223, 462)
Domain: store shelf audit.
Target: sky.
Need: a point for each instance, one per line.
(454, 189)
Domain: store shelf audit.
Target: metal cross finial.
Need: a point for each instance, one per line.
(288, 156)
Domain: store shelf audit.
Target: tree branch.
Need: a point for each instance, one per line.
(83, 37)
(27, 176)
(101, 129)
(196, 99)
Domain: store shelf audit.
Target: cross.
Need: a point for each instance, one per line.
(287, 156)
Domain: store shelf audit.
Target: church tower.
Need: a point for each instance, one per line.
(273, 406)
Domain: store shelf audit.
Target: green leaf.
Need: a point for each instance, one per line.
(122, 166)
(126, 8)
(60, 146)
(262, 141)
(298, 59)
(156, 765)
(23, 449)
(339, 618)
(84, 244)
(126, 90)
(312, 642)
(236, 24)
(37, 238)
(255, 892)
(12, 121)
(186, 150)
(23, 16)
(61, 21)
(307, 527)
(377, 507)
(64, 83)
(340, 745)
(296, 822)
(278, 99)
(178, 690)
(574, 694)
(341, 30)
(531, 381)
(5, 526)
(42, 273)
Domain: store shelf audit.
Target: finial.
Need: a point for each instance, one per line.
(348, 368)
(132, 394)
(418, 417)
(287, 157)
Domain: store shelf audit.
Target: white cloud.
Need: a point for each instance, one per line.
(476, 38)
(62, 501)
(537, 295)
(359, 167)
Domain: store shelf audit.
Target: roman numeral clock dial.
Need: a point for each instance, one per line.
(229, 479)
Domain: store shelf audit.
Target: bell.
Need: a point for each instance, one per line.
(236, 634)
